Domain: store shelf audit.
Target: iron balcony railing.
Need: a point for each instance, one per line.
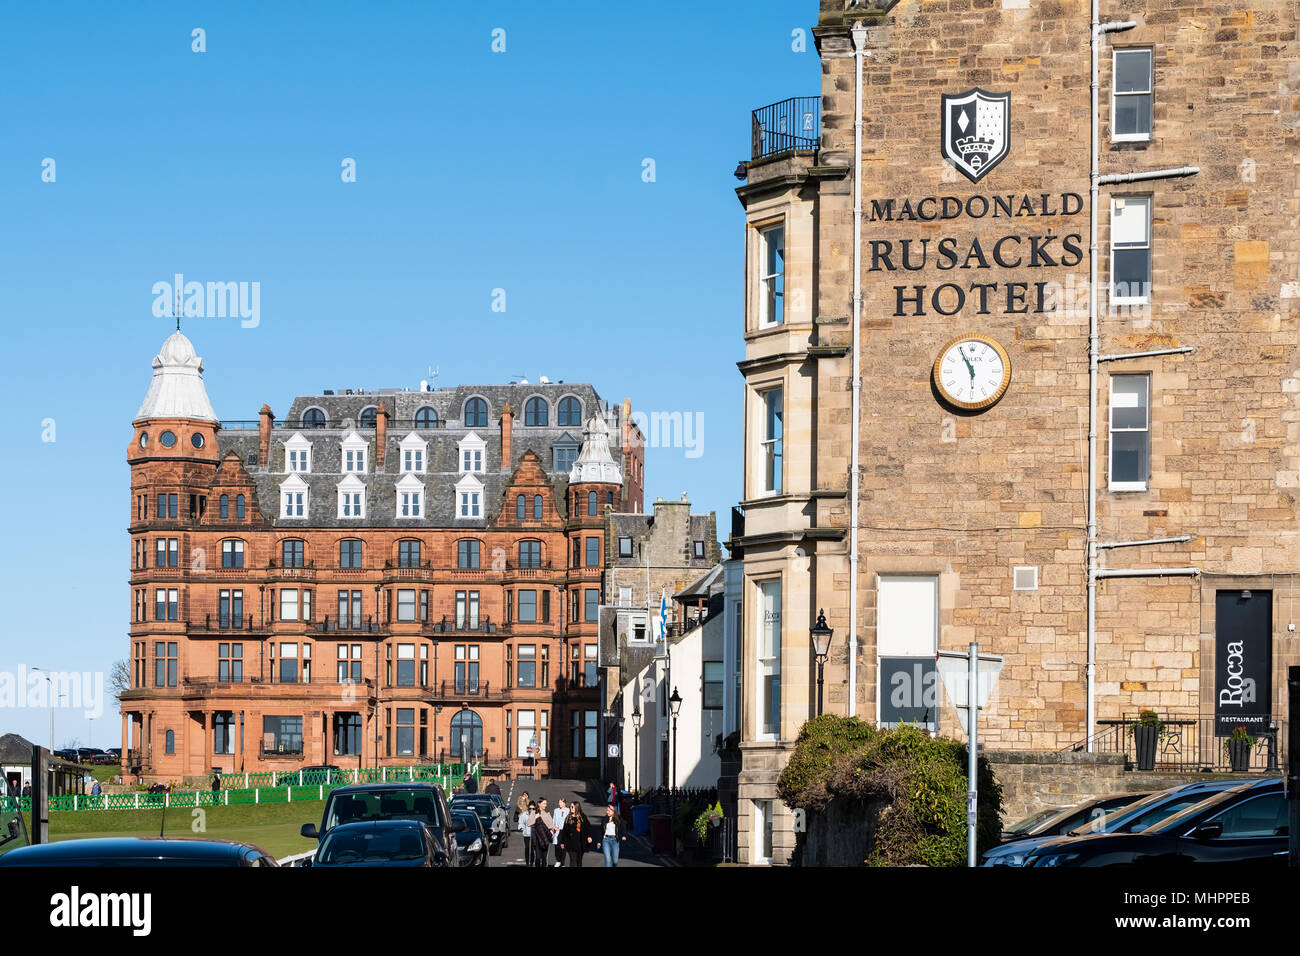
(1188, 744)
(790, 125)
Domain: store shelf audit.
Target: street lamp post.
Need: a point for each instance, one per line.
(674, 705)
(51, 683)
(636, 743)
(821, 638)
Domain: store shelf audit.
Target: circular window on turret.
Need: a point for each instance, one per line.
(196, 440)
(144, 439)
(168, 439)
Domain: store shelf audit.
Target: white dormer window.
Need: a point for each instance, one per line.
(297, 455)
(413, 452)
(352, 497)
(471, 453)
(410, 497)
(354, 449)
(469, 497)
(294, 498)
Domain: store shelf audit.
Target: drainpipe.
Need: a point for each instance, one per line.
(1094, 177)
(859, 42)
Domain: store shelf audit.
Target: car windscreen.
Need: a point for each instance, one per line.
(371, 845)
(366, 805)
(1174, 820)
(13, 829)
(1033, 820)
(484, 808)
(472, 828)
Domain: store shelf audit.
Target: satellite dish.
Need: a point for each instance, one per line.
(542, 379)
(424, 385)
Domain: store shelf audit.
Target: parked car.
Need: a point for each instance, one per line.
(68, 754)
(115, 753)
(140, 851)
(380, 843)
(368, 802)
(1244, 825)
(13, 829)
(1018, 830)
(1012, 852)
(473, 840)
(494, 819)
(1128, 818)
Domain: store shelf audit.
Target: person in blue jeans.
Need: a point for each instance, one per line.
(613, 836)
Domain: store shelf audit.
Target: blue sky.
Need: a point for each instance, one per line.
(475, 171)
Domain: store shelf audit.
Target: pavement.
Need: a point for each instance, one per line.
(635, 852)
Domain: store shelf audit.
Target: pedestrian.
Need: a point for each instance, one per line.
(492, 788)
(470, 784)
(96, 790)
(611, 796)
(576, 838)
(614, 836)
(522, 805)
(559, 816)
(526, 829)
(543, 833)
(216, 781)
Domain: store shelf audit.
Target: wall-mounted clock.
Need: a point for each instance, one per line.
(972, 372)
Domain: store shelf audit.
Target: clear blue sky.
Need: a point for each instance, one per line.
(475, 171)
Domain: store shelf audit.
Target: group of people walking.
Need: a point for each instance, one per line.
(568, 831)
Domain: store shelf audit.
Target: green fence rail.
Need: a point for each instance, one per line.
(245, 788)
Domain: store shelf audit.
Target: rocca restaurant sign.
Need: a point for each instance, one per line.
(975, 138)
(1241, 684)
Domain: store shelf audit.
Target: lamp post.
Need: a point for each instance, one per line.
(674, 706)
(821, 638)
(51, 683)
(636, 743)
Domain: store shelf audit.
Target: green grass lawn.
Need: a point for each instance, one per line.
(272, 826)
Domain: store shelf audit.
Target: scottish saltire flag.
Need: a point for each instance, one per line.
(663, 615)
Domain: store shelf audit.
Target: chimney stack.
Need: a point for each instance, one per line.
(265, 419)
(381, 435)
(507, 427)
(627, 425)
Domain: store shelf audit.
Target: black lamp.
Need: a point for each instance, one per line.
(821, 638)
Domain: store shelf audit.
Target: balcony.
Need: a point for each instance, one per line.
(366, 625)
(485, 625)
(275, 573)
(464, 690)
(792, 125)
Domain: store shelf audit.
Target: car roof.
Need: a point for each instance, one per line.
(389, 823)
(380, 787)
(133, 848)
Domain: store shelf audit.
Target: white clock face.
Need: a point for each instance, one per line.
(972, 372)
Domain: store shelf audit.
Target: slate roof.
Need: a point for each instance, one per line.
(442, 459)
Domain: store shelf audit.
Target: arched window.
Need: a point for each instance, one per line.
(239, 506)
(537, 507)
(170, 745)
(367, 417)
(591, 504)
(520, 510)
(426, 417)
(313, 418)
(225, 506)
(536, 412)
(570, 411)
(291, 553)
(530, 554)
(466, 734)
(350, 553)
(408, 553)
(476, 412)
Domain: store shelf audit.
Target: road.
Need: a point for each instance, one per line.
(635, 852)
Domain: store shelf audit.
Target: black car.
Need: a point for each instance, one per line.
(1245, 825)
(495, 821)
(368, 802)
(380, 843)
(140, 851)
(473, 840)
(69, 755)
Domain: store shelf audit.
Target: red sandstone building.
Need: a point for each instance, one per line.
(381, 578)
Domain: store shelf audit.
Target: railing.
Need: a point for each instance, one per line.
(485, 626)
(468, 690)
(1187, 744)
(793, 124)
(220, 621)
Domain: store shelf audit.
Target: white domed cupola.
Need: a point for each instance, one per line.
(595, 463)
(177, 388)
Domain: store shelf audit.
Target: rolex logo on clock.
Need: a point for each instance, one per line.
(972, 372)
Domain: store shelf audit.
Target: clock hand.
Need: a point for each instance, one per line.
(970, 368)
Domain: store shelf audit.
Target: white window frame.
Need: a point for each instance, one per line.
(354, 508)
(297, 455)
(1111, 484)
(469, 498)
(764, 815)
(471, 453)
(295, 496)
(288, 609)
(770, 665)
(1150, 92)
(1119, 202)
(766, 445)
(414, 454)
(767, 282)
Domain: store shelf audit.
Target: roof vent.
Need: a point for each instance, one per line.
(328, 391)
(1024, 579)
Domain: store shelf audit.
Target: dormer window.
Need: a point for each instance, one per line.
(469, 504)
(410, 497)
(297, 455)
(367, 417)
(536, 413)
(413, 451)
(313, 418)
(476, 413)
(471, 450)
(354, 449)
(352, 497)
(469, 497)
(294, 498)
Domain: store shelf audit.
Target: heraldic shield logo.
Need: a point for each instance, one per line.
(976, 131)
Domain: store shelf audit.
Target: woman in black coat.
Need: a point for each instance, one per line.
(576, 837)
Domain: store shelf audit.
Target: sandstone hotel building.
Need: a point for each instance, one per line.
(948, 439)
(379, 578)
